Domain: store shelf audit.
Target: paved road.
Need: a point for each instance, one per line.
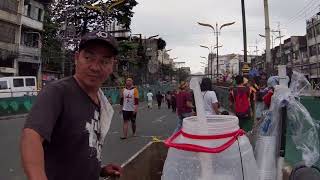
(150, 122)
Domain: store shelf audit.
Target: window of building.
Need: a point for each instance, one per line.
(30, 82)
(313, 50)
(40, 14)
(3, 85)
(18, 82)
(30, 39)
(310, 33)
(317, 29)
(27, 10)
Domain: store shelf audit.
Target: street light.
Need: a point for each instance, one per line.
(211, 49)
(153, 36)
(217, 31)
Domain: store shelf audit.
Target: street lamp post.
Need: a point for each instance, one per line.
(162, 58)
(210, 60)
(207, 63)
(217, 31)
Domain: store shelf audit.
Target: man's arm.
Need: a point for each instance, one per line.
(136, 100)
(39, 127)
(32, 155)
(121, 100)
(215, 107)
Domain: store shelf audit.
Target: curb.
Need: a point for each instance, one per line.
(20, 116)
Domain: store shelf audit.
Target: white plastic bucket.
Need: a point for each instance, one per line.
(236, 162)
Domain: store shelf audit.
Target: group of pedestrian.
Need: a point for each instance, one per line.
(248, 98)
(186, 102)
(169, 98)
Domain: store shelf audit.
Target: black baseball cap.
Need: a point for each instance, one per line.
(99, 37)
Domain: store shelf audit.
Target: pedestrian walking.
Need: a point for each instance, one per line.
(159, 98)
(168, 99)
(240, 102)
(65, 130)
(184, 104)
(211, 105)
(150, 99)
(129, 105)
(173, 100)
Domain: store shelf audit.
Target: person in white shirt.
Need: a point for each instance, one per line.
(149, 96)
(211, 105)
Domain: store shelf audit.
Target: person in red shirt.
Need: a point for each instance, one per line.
(184, 104)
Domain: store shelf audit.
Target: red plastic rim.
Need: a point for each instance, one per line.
(196, 148)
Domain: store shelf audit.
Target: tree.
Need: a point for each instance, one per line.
(80, 16)
(51, 52)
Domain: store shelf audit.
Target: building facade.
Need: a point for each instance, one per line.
(21, 23)
(313, 43)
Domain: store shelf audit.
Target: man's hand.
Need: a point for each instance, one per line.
(110, 170)
(135, 109)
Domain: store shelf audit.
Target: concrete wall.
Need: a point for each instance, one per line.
(26, 21)
(9, 17)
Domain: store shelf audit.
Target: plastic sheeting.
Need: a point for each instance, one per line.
(301, 127)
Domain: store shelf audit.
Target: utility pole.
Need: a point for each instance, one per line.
(244, 26)
(267, 34)
(280, 46)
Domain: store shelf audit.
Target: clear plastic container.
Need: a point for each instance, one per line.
(236, 162)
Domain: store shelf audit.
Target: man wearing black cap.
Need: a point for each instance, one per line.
(63, 135)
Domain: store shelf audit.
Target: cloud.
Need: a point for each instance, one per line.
(176, 22)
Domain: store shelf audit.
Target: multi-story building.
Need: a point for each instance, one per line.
(295, 52)
(21, 25)
(313, 42)
(229, 63)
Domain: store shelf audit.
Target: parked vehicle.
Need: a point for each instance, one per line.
(18, 86)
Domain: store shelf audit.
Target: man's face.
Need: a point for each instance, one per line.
(129, 83)
(94, 64)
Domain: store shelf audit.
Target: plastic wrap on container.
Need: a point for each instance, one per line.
(303, 131)
(299, 84)
(301, 127)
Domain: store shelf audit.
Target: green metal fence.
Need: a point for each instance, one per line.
(22, 105)
(114, 93)
(16, 105)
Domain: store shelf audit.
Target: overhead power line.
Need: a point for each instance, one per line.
(307, 11)
(302, 11)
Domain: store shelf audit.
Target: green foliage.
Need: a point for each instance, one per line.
(76, 13)
(126, 46)
(51, 51)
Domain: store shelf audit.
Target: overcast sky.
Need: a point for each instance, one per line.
(176, 22)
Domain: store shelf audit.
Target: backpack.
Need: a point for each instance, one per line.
(242, 102)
